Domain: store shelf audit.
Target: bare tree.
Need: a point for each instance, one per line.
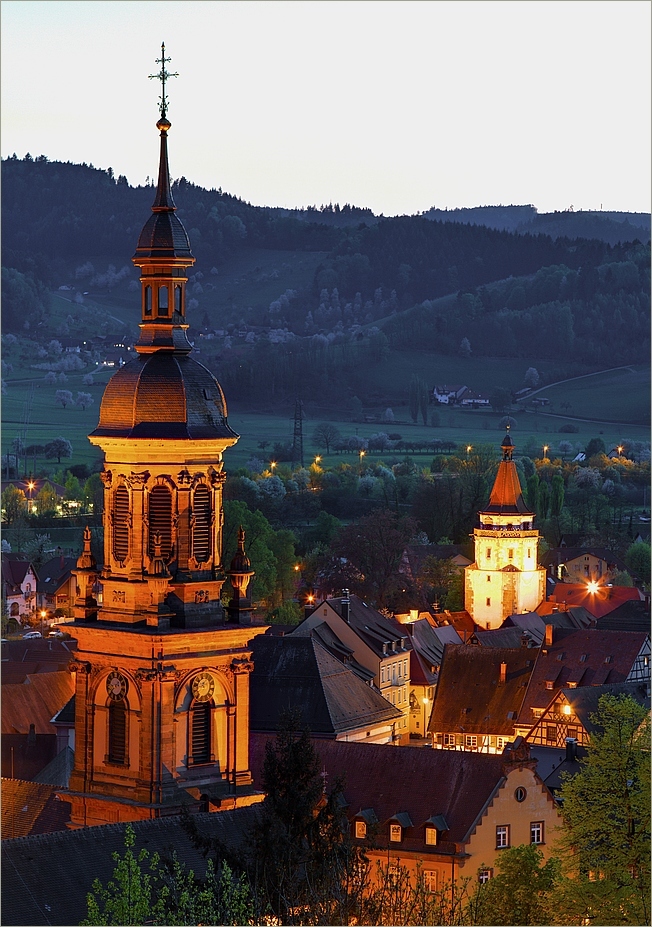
(63, 397)
(325, 435)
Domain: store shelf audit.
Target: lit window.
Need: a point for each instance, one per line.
(382, 674)
(449, 740)
(551, 733)
(431, 836)
(395, 833)
(471, 741)
(500, 743)
(360, 829)
(484, 875)
(536, 832)
(550, 683)
(502, 836)
(430, 880)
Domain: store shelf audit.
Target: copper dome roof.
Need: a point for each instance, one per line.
(163, 395)
(163, 236)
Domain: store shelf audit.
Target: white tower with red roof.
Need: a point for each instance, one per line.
(505, 578)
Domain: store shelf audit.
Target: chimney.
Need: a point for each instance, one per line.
(345, 603)
(571, 749)
(503, 674)
(548, 638)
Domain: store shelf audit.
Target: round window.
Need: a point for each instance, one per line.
(520, 794)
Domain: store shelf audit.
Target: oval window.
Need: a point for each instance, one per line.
(520, 794)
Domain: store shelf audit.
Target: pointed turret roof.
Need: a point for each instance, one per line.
(506, 496)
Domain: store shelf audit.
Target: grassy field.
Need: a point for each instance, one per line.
(617, 395)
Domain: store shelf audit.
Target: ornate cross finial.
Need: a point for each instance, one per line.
(163, 76)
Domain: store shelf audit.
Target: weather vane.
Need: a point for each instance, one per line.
(163, 76)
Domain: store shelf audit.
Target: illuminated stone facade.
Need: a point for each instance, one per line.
(505, 578)
(162, 692)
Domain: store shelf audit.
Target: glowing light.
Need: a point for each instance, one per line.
(317, 459)
(469, 448)
(362, 453)
(425, 700)
(619, 449)
(593, 587)
(545, 450)
(566, 709)
(43, 613)
(31, 485)
(311, 599)
(296, 567)
(272, 464)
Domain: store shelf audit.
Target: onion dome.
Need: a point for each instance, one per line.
(163, 395)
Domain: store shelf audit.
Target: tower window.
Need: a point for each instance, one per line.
(160, 519)
(148, 300)
(529, 553)
(488, 553)
(488, 602)
(510, 553)
(118, 733)
(201, 532)
(177, 298)
(121, 523)
(162, 300)
(200, 733)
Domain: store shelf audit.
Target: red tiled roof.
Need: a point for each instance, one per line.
(415, 780)
(561, 662)
(506, 496)
(599, 603)
(31, 808)
(35, 702)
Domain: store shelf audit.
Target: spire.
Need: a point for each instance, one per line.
(506, 495)
(163, 199)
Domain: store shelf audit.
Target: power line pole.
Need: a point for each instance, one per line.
(297, 443)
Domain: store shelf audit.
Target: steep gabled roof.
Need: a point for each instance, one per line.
(584, 700)
(589, 658)
(633, 615)
(300, 673)
(54, 573)
(599, 603)
(31, 808)
(470, 697)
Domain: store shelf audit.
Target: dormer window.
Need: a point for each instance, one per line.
(360, 830)
(431, 836)
(395, 833)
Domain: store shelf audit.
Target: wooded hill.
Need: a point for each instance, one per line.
(348, 281)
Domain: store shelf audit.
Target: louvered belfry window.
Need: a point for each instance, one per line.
(117, 733)
(160, 519)
(121, 523)
(201, 733)
(201, 532)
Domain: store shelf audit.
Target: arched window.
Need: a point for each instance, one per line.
(200, 733)
(160, 519)
(121, 523)
(178, 306)
(163, 300)
(201, 532)
(118, 733)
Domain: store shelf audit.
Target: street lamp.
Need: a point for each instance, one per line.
(317, 460)
(425, 703)
(272, 465)
(545, 451)
(43, 614)
(361, 455)
(469, 448)
(620, 450)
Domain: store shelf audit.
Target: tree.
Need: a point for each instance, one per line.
(606, 810)
(594, 447)
(83, 400)
(46, 500)
(63, 397)
(637, 561)
(58, 447)
(14, 504)
(519, 893)
(565, 449)
(465, 348)
(531, 377)
(532, 493)
(413, 398)
(501, 399)
(373, 549)
(325, 435)
(303, 865)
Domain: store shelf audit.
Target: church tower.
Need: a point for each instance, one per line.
(162, 693)
(505, 578)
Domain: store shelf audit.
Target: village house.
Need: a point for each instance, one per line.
(569, 659)
(569, 714)
(448, 395)
(449, 813)
(378, 644)
(19, 587)
(478, 697)
(299, 674)
(579, 564)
